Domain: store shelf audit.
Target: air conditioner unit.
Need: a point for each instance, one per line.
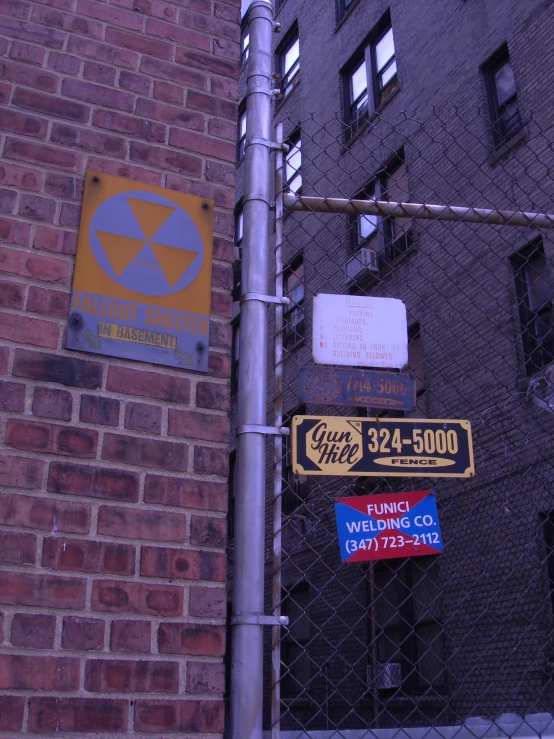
(389, 675)
(363, 261)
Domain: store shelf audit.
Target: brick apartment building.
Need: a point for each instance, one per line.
(113, 472)
(414, 102)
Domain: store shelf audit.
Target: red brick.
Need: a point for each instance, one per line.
(192, 425)
(207, 602)
(36, 34)
(155, 156)
(29, 151)
(42, 591)
(205, 677)
(18, 549)
(224, 197)
(148, 384)
(52, 403)
(11, 712)
(219, 365)
(33, 631)
(210, 461)
(70, 214)
(212, 26)
(88, 556)
(130, 125)
(7, 200)
(93, 481)
(178, 716)
(222, 129)
(135, 82)
(22, 123)
(48, 302)
(167, 114)
(103, 52)
(128, 676)
(227, 13)
(129, 523)
(5, 92)
(207, 62)
(213, 395)
(53, 715)
(185, 493)
(12, 294)
(56, 368)
(100, 410)
(224, 249)
(50, 105)
(64, 186)
(64, 63)
(143, 417)
(202, 6)
(12, 397)
(67, 22)
(44, 513)
(38, 673)
(133, 597)
(131, 636)
(42, 437)
(226, 49)
(178, 35)
(221, 173)
(40, 209)
(220, 334)
(19, 472)
(177, 74)
(28, 330)
(212, 105)
(83, 634)
(221, 304)
(16, 9)
(141, 44)
(22, 74)
(196, 639)
(20, 177)
(88, 140)
(4, 360)
(208, 532)
(120, 169)
(222, 276)
(110, 14)
(202, 144)
(224, 87)
(145, 452)
(97, 94)
(224, 223)
(169, 93)
(182, 564)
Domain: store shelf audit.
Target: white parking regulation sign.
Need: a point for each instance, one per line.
(358, 331)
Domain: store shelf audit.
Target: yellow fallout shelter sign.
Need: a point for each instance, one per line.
(143, 274)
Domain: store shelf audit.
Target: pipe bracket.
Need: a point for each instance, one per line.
(265, 298)
(258, 619)
(255, 428)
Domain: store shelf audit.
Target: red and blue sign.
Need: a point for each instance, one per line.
(373, 527)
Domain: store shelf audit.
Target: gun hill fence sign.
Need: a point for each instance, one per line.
(385, 447)
(358, 331)
(142, 283)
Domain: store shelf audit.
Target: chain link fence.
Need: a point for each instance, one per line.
(461, 643)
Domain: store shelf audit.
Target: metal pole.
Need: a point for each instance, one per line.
(418, 210)
(248, 586)
(278, 452)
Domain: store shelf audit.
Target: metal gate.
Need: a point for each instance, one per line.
(459, 644)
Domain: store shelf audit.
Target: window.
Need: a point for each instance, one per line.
(289, 61)
(295, 488)
(370, 77)
(293, 289)
(406, 603)
(295, 655)
(232, 494)
(534, 288)
(388, 237)
(244, 44)
(343, 7)
(502, 97)
(237, 264)
(293, 165)
(241, 142)
(235, 356)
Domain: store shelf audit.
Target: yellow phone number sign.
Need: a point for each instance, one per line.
(386, 447)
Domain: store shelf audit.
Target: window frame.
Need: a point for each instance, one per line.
(289, 78)
(244, 47)
(502, 132)
(532, 344)
(294, 307)
(294, 141)
(235, 355)
(241, 137)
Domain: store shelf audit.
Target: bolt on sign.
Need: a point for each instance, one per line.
(388, 526)
(359, 331)
(142, 284)
(381, 447)
(357, 387)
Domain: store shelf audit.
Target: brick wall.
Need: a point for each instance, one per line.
(112, 473)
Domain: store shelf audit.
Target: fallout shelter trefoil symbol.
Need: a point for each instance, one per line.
(146, 243)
